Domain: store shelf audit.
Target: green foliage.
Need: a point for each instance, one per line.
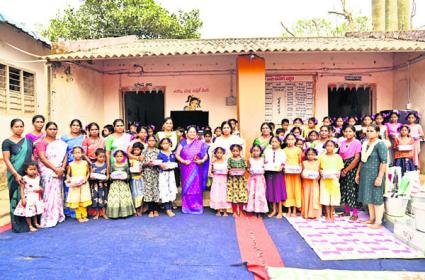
(325, 27)
(113, 18)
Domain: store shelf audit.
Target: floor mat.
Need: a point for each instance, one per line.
(183, 247)
(346, 240)
(279, 273)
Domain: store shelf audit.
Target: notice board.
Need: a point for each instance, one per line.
(289, 97)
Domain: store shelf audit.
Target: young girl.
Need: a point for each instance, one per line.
(285, 125)
(379, 121)
(218, 195)
(366, 121)
(31, 203)
(298, 122)
(327, 121)
(292, 180)
(339, 123)
(300, 144)
(120, 202)
(349, 151)
(257, 202)
(275, 159)
(417, 134)
(151, 177)
(136, 182)
(311, 138)
(403, 150)
(310, 204)
(393, 126)
(311, 126)
(237, 192)
(92, 142)
(217, 133)
(167, 181)
(330, 167)
(79, 195)
(99, 184)
(297, 132)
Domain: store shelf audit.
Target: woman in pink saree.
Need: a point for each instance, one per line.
(192, 154)
(52, 160)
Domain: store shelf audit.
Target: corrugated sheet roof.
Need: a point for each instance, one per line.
(165, 47)
(24, 28)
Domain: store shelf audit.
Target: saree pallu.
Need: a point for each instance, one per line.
(71, 142)
(20, 153)
(194, 176)
(53, 185)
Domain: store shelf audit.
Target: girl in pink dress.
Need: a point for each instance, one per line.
(31, 203)
(417, 134)
(257, 202)
(392, 132)
(218, 195)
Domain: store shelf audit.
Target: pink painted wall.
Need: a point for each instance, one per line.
(417, 89)
(101, 95)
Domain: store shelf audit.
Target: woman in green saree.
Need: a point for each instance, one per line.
(16, 151)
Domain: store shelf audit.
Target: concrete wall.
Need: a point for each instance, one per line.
(76, 95)
(20, 60)
(417, 88)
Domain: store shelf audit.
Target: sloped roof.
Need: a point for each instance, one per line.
(173, 47)
(24, 28)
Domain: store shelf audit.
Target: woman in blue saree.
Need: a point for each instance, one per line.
(16, 151)
(192, 154)
(73, 139)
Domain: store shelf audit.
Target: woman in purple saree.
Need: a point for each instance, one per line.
(192, 154)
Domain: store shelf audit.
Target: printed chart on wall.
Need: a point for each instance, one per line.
(289, 97)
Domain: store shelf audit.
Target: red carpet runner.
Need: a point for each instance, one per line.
(256, 246)
(5, 228)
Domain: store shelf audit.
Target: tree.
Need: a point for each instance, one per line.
(378, 15)
(113, 18)
(325, 27)
(404, 14)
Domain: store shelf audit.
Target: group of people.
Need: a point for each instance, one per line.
(116, 173)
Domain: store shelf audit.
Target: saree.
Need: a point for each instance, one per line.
(71, 142)
(112, 144)
(19, 153)
(194, 176)
(52, 185)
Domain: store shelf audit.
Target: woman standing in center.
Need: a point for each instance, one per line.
(192, 154)
(266, 133)
(119, 140)
(227, 139)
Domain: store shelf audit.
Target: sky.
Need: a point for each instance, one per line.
(222, 18)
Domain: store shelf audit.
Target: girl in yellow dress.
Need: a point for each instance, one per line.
(79, 195)
(331, 165)
(292, 175)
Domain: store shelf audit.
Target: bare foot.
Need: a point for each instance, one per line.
(225, 214)
(85, 220)
(354, 218)
(271, 214)
(151, 215)
(294, 214)
(368, 222)
(105, 217)
(155, 213)
(33, 229)
(375, 226)
(218, 213)
(80, 220)
(279, 216)
(144, 209)
(96, 217)
(170, 213)
(38, 226)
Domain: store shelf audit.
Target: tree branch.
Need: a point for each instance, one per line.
(287, 29)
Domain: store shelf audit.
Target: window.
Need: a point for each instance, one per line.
(17, 91)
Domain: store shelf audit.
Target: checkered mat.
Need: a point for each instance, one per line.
(278, 273)
(346, 240)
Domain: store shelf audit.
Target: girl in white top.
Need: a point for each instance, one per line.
(218, 195)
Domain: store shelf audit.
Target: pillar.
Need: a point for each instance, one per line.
(250, 85)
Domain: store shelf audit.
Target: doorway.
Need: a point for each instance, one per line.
(144, 107)
(349, 101)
